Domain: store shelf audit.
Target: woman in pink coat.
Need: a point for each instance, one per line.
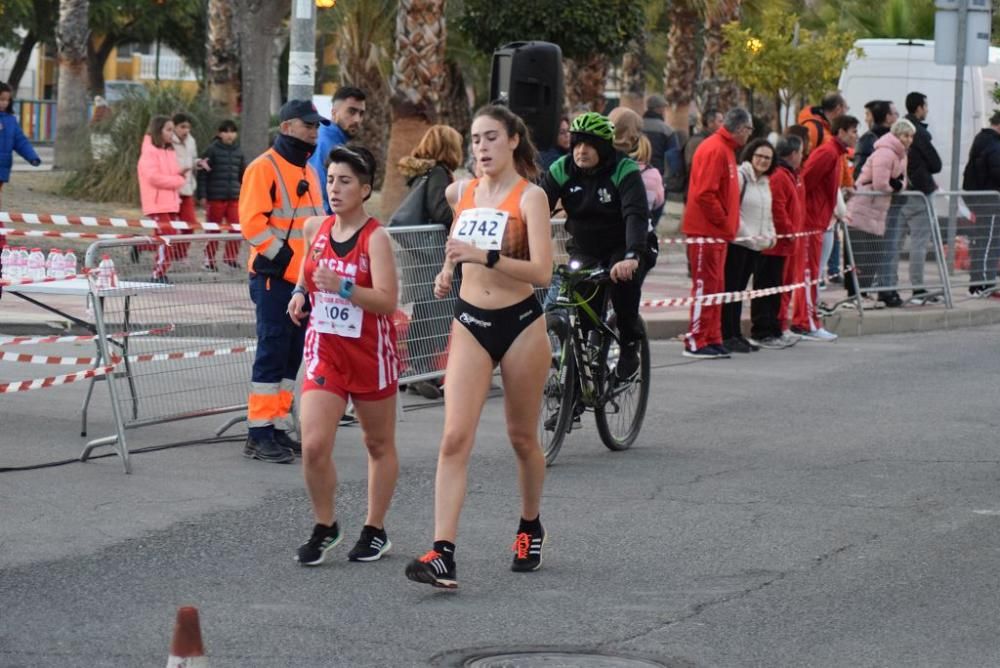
(883, 172)
(160, 180)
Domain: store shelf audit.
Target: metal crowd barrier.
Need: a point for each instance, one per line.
(971, 229)
(182, 349)
(886, 229)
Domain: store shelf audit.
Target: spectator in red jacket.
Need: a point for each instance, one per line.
(821, 177)
(712, 210)
(774, 266)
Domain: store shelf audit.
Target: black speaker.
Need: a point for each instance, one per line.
(527, 77)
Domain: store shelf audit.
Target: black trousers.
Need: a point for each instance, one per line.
(765, 321)
(740, 265)
(625, 295)
(869, 255)
(984, 240)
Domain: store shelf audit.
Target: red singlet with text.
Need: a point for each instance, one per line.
(347, 346)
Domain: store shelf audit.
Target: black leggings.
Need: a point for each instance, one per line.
(740, 265)
(496, 329)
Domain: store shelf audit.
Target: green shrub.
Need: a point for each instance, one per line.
(113, 177)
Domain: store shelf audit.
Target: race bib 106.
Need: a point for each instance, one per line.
(483, 228)
(332, 314)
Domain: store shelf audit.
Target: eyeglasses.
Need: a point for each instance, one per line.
(762, 156)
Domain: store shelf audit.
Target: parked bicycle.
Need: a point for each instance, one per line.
(585, 349)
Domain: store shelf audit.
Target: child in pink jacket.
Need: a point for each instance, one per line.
(160, 180)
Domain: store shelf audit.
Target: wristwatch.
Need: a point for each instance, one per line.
(346, 288)
(631, 255)
(492, 257)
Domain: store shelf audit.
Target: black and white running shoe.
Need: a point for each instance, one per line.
(371, 546)
(528, 551)
(323, 539)
(435, 569)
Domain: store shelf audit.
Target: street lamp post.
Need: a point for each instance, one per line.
(302, 48)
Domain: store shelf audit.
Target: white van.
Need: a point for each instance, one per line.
(891, 68)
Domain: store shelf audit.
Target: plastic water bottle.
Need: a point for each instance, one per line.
(106, 276)
(54, 264)
(70, 267)
(36, 264)
(22, 262)
(5, 268)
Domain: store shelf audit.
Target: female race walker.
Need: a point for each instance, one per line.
(502, 237)
(350, 352)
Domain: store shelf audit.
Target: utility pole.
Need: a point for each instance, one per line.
(302, 51)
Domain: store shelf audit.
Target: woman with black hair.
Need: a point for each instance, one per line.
(348, 288)
(755, 233)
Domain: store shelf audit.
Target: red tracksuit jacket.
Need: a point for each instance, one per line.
(821, 178)
(713, 204)
(787, 208)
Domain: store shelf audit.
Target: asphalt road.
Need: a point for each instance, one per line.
(828, 505)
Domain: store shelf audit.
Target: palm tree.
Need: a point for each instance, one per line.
(72, 35)
(363, 37)
(586, 80)
(223, 55)
(634, 74)
(681, 69)
(418, 76)
(716, 92)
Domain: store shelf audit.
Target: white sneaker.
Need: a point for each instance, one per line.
(790, 338)
(820, 334)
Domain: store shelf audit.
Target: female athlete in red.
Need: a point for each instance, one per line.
(348, 280)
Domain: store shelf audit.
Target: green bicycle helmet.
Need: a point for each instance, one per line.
(593, 123)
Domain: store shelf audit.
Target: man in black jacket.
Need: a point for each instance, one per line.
(607, 218)
(219, 177)
(982, 172)
(922, 163)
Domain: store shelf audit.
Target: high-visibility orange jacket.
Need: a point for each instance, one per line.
(815, 123)
(272, 214)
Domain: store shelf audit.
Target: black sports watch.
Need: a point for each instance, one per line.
(492, 257)
(631, 255)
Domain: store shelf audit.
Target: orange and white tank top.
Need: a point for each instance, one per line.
(502, 228)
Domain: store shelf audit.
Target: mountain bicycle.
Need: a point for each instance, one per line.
(585, 349)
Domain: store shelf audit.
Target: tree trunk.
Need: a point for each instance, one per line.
(222, 56)
(681, 68)
(418, 77)
(257, 24)
(22, 60)
(586, 81)
(455, 108)
(716, 92)
(633, 92)
(280, 42)
(96, 58)
(71, 107)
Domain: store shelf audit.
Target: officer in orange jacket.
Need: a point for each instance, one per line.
(279, 191)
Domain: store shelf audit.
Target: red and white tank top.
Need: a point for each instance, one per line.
(359, 344)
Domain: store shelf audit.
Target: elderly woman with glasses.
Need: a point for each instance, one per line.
(755, 234)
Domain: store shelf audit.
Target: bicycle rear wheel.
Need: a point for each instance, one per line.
(558, 395)
(622, 408)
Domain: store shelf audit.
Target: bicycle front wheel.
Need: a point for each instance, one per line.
(558, 395)
(622, 407)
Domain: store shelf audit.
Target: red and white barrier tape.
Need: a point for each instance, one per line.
(48, 279)
(94, 221)
(6, 231)
(714, 240)
(53, 381)
(727, 297)
(146, 357)
(33, 340)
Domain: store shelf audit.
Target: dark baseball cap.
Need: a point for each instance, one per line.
(304, 110)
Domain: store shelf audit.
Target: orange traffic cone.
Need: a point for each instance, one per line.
(186, 648)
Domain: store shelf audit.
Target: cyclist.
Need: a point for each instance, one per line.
(502, 238)
(607, 218)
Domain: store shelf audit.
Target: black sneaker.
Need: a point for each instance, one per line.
(267, 450)
(348, 420)
(287, 442)
(737, 345)
(890, 299)
(578, 409)
(433, 568)
(628, 361)
(528, 551)
(750, 343)
(428, 389)
(371, 546)
(323, 539)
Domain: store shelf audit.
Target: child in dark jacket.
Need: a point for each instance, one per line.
(219, 187)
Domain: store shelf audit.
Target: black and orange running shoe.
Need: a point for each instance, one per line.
(435, 569)
(528, 551)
